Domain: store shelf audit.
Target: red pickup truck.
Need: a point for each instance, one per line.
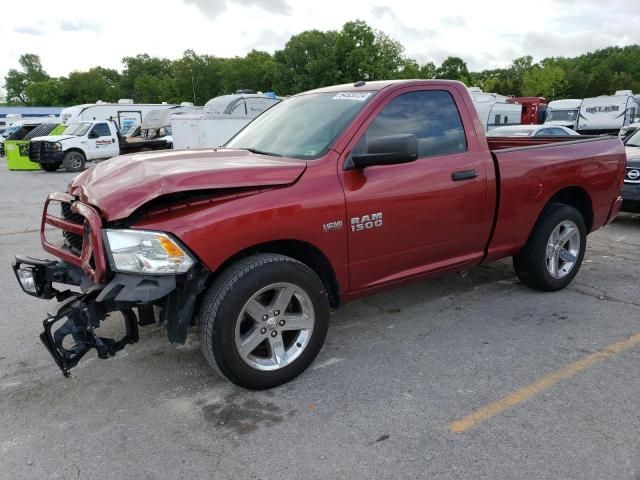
(329, 196)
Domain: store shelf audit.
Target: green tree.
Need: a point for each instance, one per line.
(307, 61)
(17, 82)
(545, 81)
(454, 68)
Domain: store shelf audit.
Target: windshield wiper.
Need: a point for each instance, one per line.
(262, 152)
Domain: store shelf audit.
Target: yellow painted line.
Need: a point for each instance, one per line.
(540, 385)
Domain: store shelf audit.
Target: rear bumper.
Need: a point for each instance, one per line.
(81, 313)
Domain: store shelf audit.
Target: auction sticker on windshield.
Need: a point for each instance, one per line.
(357, 96)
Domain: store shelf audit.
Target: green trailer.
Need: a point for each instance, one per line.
(17, 150)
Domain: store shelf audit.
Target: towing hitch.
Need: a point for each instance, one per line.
(83, 316)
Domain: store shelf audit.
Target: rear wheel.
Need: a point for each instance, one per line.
(555, 250)
(74, 161)
(264, 321)
(50, 167)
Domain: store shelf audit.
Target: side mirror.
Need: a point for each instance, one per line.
(93, 134)
(388, 150)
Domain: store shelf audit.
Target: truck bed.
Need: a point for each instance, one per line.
(530, 171)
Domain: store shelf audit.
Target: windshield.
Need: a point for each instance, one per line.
(633, 140)
(77, 129)
(509, 132)
(303, 126)
(562, 115)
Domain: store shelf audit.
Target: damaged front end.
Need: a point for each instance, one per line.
(125, 271)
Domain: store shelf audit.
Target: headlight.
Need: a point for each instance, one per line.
(142, 251)
(55, 146)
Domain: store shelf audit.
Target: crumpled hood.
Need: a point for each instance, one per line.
(52, 138)
(122, 184)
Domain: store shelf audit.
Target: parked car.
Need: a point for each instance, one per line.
(329, 196)
(531, 131)
(87, 141)
(626, 132)
(631, 190)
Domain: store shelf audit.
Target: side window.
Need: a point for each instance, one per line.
(101, 129)
(255, 106)
(239, 108)
(431, 116)
(542, 132)
(558, 132)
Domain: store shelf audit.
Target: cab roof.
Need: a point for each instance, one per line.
(378, 85)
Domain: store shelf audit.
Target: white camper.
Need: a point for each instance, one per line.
(494, 110)
(608, 113)
(564, 113)
(125, 113)
(221, 118)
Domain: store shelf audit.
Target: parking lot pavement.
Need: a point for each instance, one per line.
(381, 401)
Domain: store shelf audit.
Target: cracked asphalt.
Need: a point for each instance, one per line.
(397, 369)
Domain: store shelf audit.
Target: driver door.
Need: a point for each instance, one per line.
(102, 142)
(408, 219)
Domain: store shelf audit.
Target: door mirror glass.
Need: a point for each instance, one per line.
(93, 134)
(387, 150)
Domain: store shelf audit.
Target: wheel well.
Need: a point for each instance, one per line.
(304, 252)
(579, 199)
(76, 149)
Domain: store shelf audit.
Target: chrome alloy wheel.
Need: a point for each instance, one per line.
(563, 248)
(274, 326)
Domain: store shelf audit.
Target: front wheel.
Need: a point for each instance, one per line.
(74, 161)
(50, 167)
(264, 320)
(555, 250)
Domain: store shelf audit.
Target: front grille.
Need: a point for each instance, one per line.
(73, 241)
(632, 175)
(35, 151)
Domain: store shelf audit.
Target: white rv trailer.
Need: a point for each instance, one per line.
(221, 118)
(494, 110)
(564, 113)
(608, 113)
(125, 113)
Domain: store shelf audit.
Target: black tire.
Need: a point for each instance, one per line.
(50, 167)
(531, 262)
(74, 161)
(224, 301)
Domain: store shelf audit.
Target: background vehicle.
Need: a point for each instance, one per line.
(330, 196)
(17, 151)
(494, 109)
(564, 113)
(156, 125)
(20, 128)
(630, 129)
(608, 114)
(125, 113)
(631, 190)
(532, 131)
(86, 141)
(534, 109)
(221, 118)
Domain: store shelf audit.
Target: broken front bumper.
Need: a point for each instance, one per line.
(134, 296)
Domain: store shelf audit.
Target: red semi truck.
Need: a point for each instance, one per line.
(534, 109)
(329, 196)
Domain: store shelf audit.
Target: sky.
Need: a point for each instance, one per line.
(77, 35)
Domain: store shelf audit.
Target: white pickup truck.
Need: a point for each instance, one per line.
(86, 141)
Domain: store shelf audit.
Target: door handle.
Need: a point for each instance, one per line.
(464, 175)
